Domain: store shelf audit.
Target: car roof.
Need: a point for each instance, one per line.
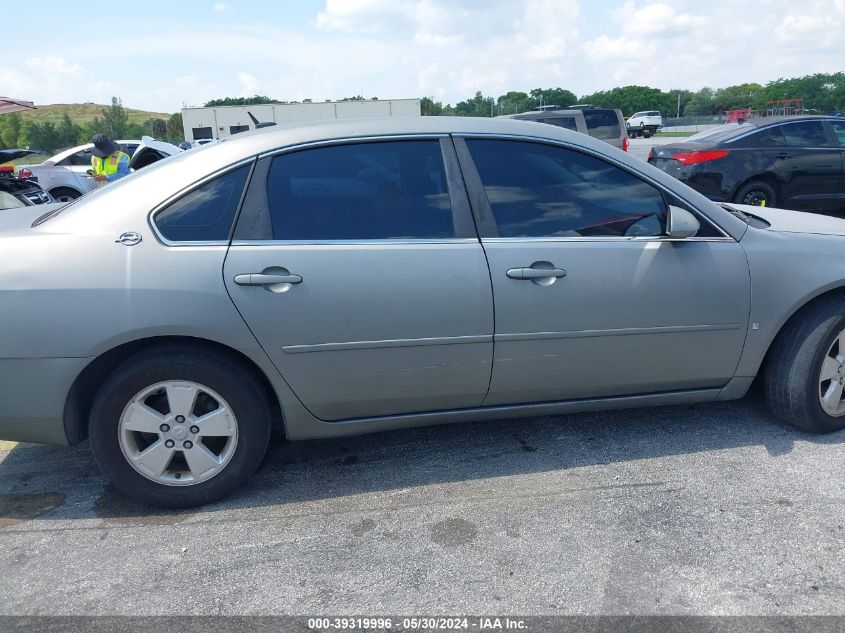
(78, 148)
(166, 179)
(772, 120)
(270, 138)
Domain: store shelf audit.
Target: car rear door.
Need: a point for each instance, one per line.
(838, 129)
(810, 166)
(591, 299)
(358, 268)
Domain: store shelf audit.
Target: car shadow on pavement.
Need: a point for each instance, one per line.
(61, 483)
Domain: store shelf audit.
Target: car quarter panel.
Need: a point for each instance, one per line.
(788, 270)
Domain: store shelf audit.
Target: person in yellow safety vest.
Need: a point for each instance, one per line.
(108, 163)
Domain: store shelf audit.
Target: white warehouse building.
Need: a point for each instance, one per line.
(224, 121)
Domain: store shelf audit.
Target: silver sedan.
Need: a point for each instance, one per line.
(350, 277)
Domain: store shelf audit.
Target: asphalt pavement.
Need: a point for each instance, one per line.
(706, 509)
(640, 147)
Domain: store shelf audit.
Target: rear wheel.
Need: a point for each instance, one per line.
(757, 193)
(64, 194)
(805, 373)
(177, 427)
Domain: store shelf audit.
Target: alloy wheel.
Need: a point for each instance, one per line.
(178, 433)
(832, 378)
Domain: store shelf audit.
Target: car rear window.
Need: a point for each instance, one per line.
(567, 122)
(361, 191)
(603, 124)
(723, 132)
(206, 213)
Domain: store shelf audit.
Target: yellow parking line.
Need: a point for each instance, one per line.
(6, 445)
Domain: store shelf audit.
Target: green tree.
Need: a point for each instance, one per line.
(42, 136)
(115, 119)
(157, 128)
(68, 132)
(479, 105)
(10, 130)
(430, 107)
(821, 92)
(175, 130)
(701, 103)
(553, 96)
(514, 102)
(240, 101)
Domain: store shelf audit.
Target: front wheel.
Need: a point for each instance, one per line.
(805, 371)
(177, 427)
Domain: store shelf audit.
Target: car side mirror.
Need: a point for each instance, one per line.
(680, 223)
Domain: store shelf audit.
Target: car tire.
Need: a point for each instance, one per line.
(177, 427)
(804, 374)
(64, 194)
(755, 192)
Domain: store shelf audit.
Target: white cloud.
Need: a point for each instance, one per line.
(249, 84)
(220, 7)
(449, 50)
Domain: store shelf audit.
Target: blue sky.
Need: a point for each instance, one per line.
(160, 55)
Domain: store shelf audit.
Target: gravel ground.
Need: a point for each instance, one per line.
(708, 509)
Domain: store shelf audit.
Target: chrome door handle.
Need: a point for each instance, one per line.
(783, 155)
(262, 279)
(535, 273)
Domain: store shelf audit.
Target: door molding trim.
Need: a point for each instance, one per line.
(665, 329)
(388, 343)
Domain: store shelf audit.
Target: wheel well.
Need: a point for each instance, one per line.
(84, 389)
(836, 293)
(63, 188)
(767, 178)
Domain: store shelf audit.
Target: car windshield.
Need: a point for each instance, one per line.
(720, 133)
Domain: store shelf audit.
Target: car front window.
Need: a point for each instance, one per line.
(538, 190)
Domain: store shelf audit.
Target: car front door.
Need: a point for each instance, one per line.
(358, 268)
(810, 166)
(592, 300)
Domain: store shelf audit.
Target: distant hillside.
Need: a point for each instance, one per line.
(81, 113)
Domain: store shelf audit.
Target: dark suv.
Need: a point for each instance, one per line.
(601, 123)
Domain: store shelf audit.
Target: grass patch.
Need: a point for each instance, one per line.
(82, 113)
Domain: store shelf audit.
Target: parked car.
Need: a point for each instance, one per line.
(339, 278)
(17, 192)
(65, 174)
(789, 162)
(602, 123)
(644, 124)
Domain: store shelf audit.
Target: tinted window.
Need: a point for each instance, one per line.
(206, 213)
(202, 132)
(807, 134)
(839, 131)
(237, 129)
(724, 132)
(567, 122)
(602, 123)
(79, 158)
(129, 149)
(360, 191)
(540, 190)
(768, 137)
